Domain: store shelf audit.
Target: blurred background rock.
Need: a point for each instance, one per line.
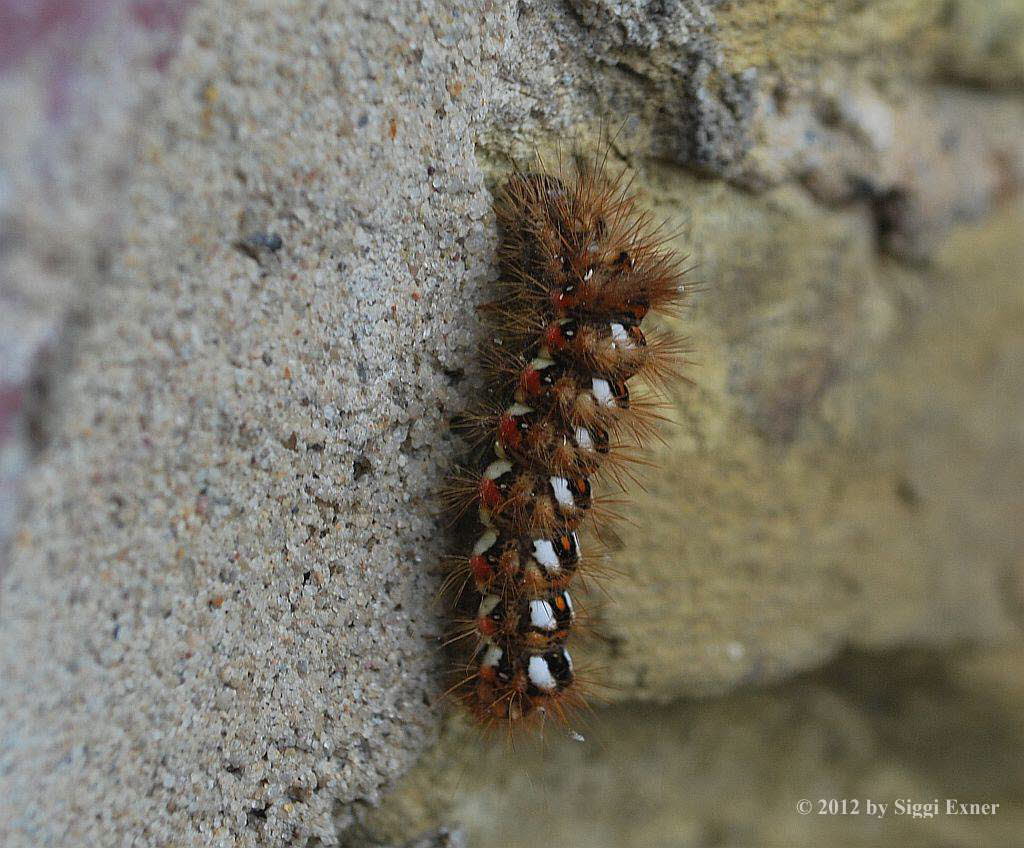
(820, 589)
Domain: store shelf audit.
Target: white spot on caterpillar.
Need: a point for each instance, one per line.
(540, 675)
(519, 409)
(620, 338)
(492, 656)
(497, 469)
(560, 487)
(544, 553)
(487, 605)
(484, 542)
(602, 391)
(542, 616)
(574, 547)
(588, 275)
(583, 438)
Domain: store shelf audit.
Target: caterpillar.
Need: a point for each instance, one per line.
(580, 266)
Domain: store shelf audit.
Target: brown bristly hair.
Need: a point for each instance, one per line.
(578, 254)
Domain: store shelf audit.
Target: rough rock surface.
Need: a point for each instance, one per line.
(217, 626)
(906, 727)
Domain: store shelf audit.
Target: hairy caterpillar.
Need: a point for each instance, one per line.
(580, 268)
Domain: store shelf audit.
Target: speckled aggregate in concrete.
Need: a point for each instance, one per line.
(218, 621)
(74, 78)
